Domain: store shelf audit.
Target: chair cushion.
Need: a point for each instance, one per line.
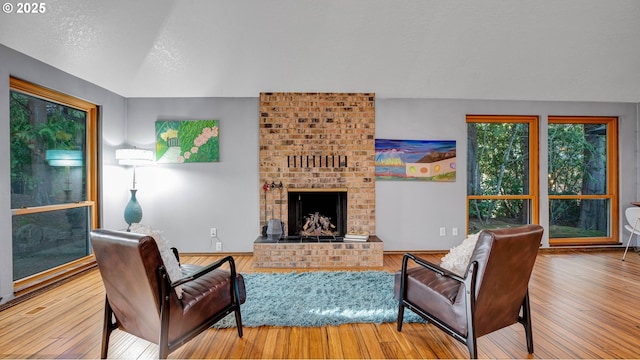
(435, 294)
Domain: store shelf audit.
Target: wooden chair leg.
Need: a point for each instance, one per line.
(471, 341)
(470, 299)
(402, 293)
(238, 320)
(526, 322)
(473, 348)
(236, 301)
(107, 327)
(400, 315)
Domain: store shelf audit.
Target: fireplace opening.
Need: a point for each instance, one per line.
(317, 213)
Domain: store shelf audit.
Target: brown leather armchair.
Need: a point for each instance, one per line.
(141, 299)
(493, 293)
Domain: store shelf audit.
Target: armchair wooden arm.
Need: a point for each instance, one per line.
(207, 269)
(429, 265)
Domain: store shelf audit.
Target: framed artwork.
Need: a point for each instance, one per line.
(187, 141)
(421, 160)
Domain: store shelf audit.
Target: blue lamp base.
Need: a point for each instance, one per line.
(133, 210)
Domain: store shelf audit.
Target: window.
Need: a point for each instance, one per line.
(53, 183)
(582, 184)
(502, 158)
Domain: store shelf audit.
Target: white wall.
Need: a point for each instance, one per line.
(409, 215)
(185, 200)
(112, 128)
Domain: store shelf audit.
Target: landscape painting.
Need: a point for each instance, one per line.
(187, 141)
(416, 160)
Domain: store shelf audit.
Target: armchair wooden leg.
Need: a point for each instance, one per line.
(402, 293)
(526, 322)
(470, 294)
(400, 315)
(471, 340)
(107, 327)
(473, 348)
(238, 321)
(165, 307)
(236, 300)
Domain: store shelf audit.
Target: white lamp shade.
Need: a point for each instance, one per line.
(64, 157)
(134, 156)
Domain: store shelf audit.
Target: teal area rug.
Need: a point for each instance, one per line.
(318, 299)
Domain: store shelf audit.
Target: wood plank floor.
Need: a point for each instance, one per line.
(584, 305)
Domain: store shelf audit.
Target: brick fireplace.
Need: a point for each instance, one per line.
(319, 143)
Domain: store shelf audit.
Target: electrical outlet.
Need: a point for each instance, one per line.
(219, 246)
(454, 231)
(214, 232)
(443, 231)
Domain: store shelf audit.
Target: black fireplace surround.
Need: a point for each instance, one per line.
(331, 204)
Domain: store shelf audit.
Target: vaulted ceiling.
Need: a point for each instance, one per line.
(584, 50)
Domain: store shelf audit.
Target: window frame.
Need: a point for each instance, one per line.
(533, 195)
(612, 193)
(47, 277)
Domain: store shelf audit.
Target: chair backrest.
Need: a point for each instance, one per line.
(505, 262)
(128, 265)
(632, 213)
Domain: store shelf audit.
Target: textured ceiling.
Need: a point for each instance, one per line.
(586, 50)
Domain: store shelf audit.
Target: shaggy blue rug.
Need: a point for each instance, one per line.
(318, 298)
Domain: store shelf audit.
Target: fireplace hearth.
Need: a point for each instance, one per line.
(317, 252)
(317, 212)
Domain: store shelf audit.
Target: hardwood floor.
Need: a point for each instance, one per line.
(584, 305)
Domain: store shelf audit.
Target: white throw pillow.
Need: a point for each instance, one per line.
(458, 257)
(168, 258)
